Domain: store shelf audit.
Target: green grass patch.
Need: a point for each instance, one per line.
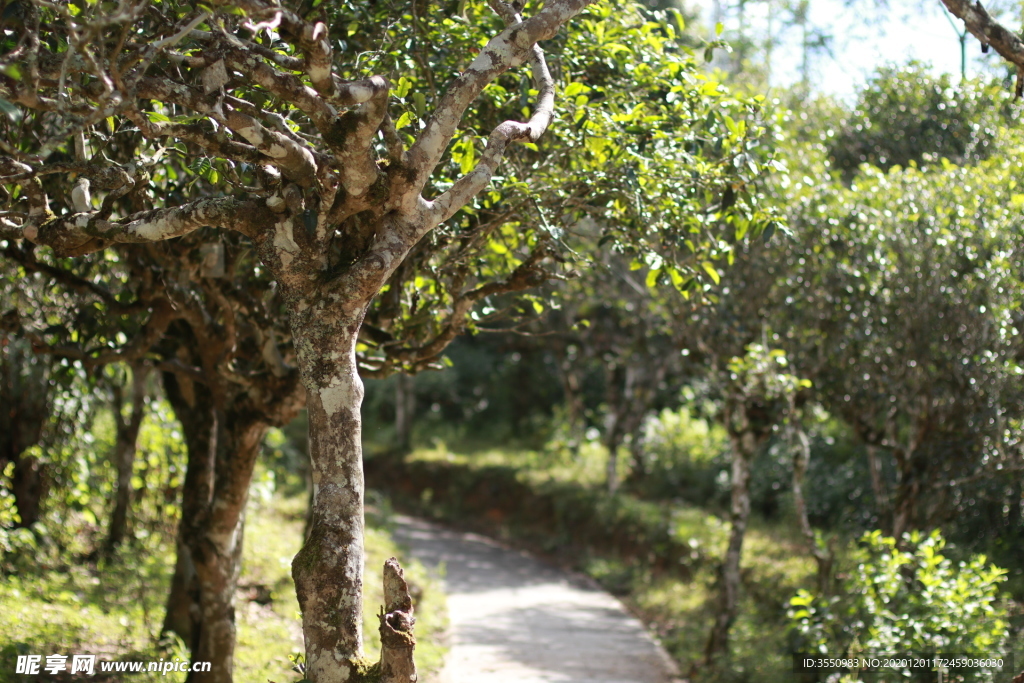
(116, 610)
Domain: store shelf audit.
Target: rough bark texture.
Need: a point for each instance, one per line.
(328, 568)
(397, 664)
(182, 600)
(197, 413)
(223, 447)
(986, 29)
(216, 549)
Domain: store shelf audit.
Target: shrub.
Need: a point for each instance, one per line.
(902, 600)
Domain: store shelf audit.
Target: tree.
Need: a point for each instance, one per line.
(308, 194)
(907, 115)
(913, 599)
(757, 395)
(229, 377)
(924, 360)
(621, 330)
(249, 88)
(24, 397)
(299, 153)
(126, 429)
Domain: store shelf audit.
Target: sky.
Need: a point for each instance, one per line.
(864, 38)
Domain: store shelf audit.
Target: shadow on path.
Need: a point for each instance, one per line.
(517, 620)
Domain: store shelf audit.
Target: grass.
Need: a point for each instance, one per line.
(116, 611)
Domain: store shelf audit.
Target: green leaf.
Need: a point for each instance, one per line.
(575, 88)
(468, 160)
(710, 270)
(404, 120)
(404, 86)
(652, 278)
(728, 198)
(419, 101)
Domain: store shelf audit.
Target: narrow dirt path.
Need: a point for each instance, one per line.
(517, 620)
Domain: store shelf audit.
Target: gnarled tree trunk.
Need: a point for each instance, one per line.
(24, 410)
(222, 446)
(331, 221)
(198, 416)
(125, 446)
(801, 459)
(216, 549)
(328, 569)
(743, 448)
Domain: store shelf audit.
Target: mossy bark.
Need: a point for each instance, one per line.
(197, 414)
(222, 447)
(216, 551)
(328, 569)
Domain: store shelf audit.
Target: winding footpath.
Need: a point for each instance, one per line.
(517, 620)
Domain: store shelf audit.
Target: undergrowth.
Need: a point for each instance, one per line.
(659, 557)
(115, 609)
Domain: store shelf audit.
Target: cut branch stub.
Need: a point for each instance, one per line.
(396, 622)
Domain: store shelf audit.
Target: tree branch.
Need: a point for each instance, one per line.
(527, 275)
(294, 158)
(352, 140)
(84, 233)
(70, 280)
(38, 206)
(285, 86)
(160, 318)
(982, 26)
(508, 49)
(467, 187)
